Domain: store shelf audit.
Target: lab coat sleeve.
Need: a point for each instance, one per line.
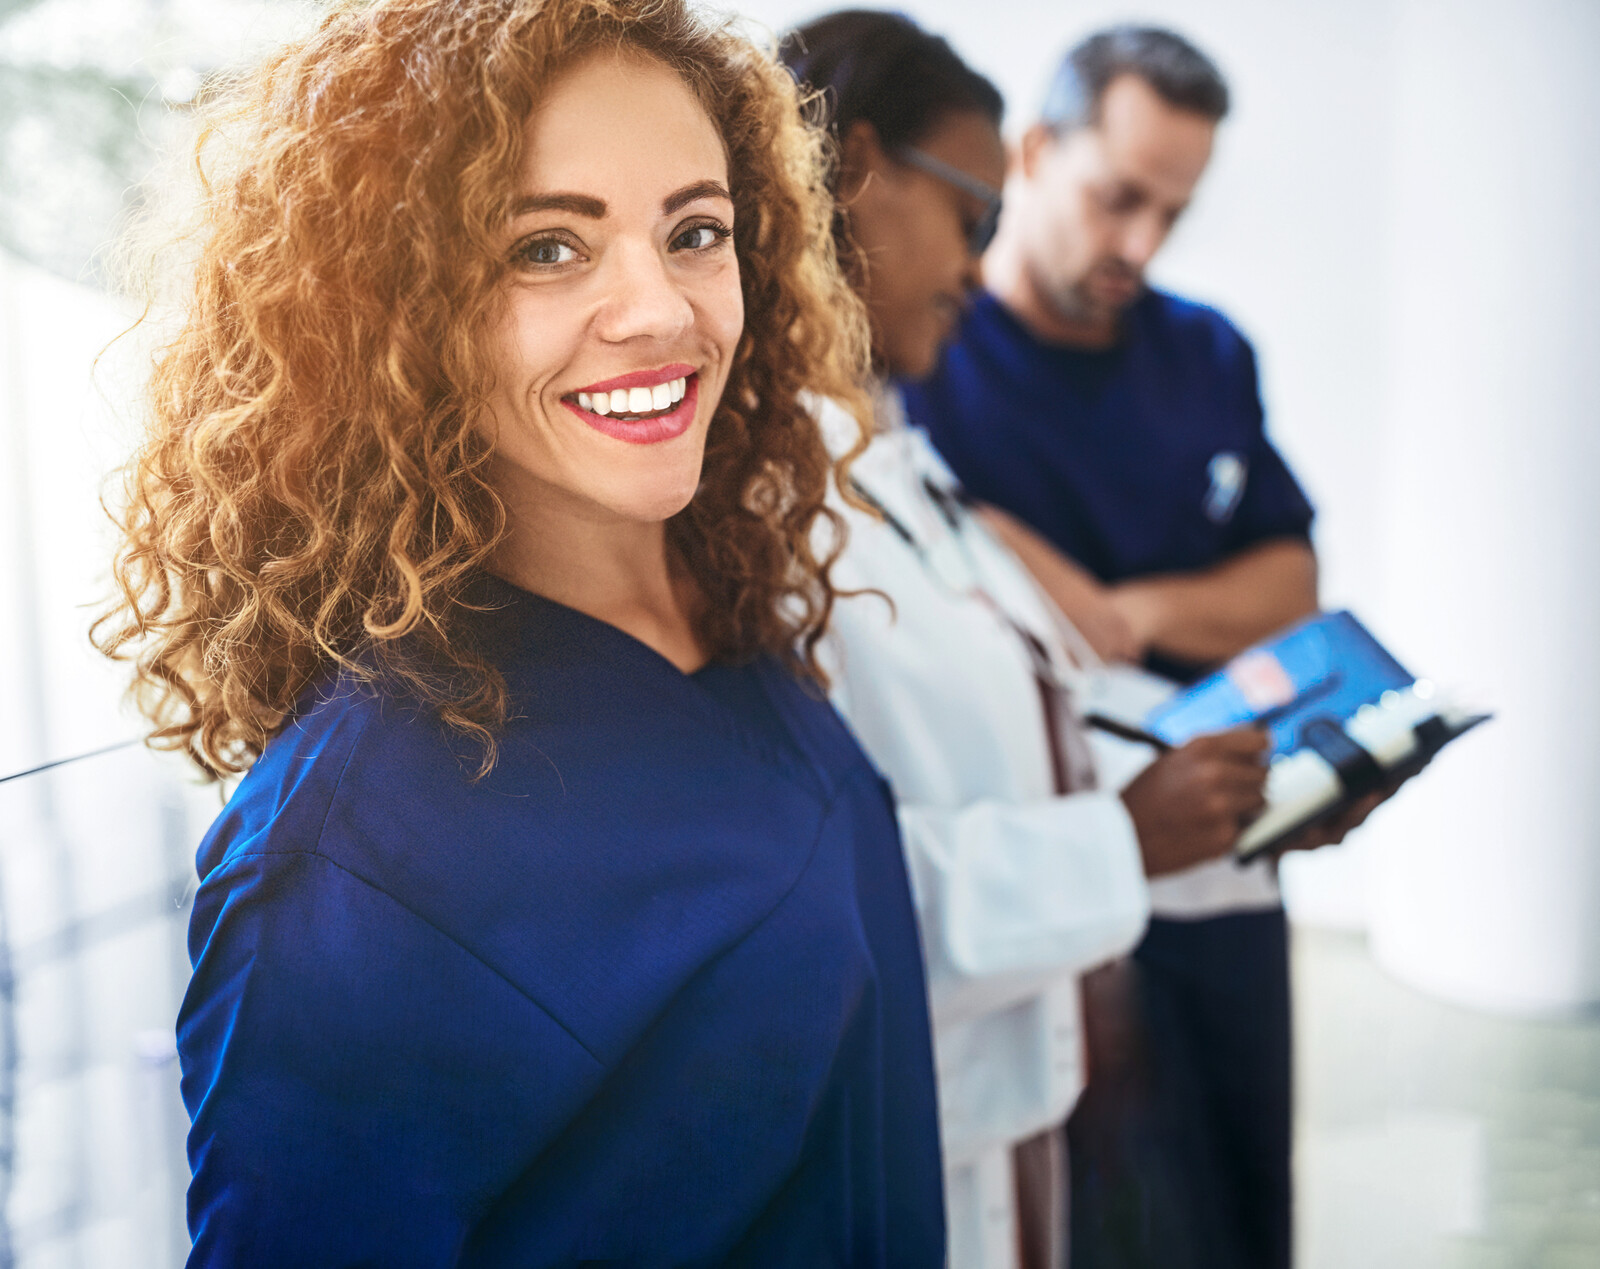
(1005, 891)
(1009, 892)
(362, 1087)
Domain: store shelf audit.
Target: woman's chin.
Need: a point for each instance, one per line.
(916, 356)
(657, 500)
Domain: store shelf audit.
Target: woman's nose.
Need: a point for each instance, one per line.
(644, 301)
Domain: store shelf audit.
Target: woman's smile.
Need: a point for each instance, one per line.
(643, 407)
(639, 415)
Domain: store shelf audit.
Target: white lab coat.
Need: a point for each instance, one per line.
(1018, 890)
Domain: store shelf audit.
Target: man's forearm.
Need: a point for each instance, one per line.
(1209, 616)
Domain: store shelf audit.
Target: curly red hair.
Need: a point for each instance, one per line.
(311, 495)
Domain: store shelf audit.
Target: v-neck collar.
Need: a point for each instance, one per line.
(518, 619)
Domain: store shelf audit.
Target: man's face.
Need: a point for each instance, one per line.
(1097, 203)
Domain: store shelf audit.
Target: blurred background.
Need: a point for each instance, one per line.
(1400, 215)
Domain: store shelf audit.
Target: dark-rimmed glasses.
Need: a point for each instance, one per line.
(982, 233)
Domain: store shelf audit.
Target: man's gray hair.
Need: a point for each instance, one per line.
(1181, 75)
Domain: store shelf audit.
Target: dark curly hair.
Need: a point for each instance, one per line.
(312, 495)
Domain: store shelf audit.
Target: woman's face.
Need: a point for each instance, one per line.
(621, 307)
(913, 227)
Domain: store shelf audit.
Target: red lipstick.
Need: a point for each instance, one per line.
(639, 379)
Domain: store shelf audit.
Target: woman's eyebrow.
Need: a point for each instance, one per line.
(587, 205)
(700, 189)
(578, 204)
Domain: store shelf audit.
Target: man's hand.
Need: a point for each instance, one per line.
(1085, 602)
(1208, 616)
(1102, 623)
(1334, 831)
(1203, 617)
(1190, 805)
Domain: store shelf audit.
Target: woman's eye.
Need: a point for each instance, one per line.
(700, 237)
(546, 252)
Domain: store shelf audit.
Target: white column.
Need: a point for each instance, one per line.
(1486, 882)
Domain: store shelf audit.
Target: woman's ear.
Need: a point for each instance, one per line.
(861, 156)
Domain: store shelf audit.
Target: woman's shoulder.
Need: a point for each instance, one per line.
(618, 846)
(283, 866)
(281, 806)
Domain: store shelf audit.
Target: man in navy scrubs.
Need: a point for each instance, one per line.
(1124, 425)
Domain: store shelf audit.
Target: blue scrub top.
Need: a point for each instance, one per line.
(1148, 457)
(650, 993)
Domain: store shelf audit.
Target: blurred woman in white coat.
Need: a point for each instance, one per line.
(1028, 864)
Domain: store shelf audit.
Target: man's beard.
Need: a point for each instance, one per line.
(1076, 300)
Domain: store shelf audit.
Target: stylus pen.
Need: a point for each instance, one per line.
(1136, 734)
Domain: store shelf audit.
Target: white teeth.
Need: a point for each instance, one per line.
(663, 396)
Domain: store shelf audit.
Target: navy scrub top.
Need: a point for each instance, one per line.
(650, 993)
(1148, 457)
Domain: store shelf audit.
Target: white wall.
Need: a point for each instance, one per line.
(95, 858)
(1488, 889)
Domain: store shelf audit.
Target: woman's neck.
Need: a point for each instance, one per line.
(616, 570)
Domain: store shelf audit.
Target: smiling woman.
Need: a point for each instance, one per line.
(621, 259)
(556, 918)
(384, 241)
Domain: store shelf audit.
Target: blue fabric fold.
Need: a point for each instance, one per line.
(649, 993)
